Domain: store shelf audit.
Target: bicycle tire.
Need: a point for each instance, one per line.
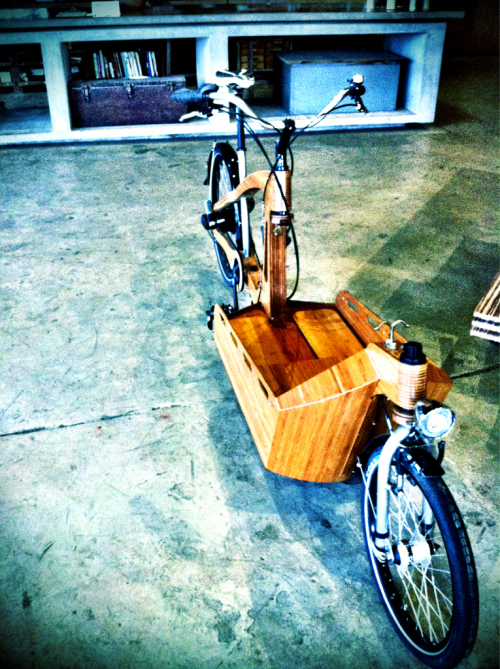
(433, 606)
(223, 179)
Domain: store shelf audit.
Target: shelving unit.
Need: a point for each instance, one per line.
(418, 37)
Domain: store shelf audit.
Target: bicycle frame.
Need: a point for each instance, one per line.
(295, 366)
(225, 98)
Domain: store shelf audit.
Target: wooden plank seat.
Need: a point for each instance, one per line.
(327, 334)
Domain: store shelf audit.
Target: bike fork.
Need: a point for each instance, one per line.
(389, 450)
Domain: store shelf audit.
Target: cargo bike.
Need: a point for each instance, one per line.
(329, 390)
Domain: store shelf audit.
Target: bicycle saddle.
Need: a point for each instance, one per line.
(226, 78)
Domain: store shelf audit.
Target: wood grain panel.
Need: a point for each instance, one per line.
(275, 349)
(295, 346)
(262, 346)
(385, 361)
(438, 382)
(253, 275)
(362, 321)
(308, 416)
(486, 321)
(273, 296)
(357, 371)
(386, 365)
(248, 187)
(293, 375)
(327, 334)
(256, 398)
(317, 441)
(278, 198)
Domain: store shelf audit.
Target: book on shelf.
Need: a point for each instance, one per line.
(124, 64)
(152, 56)
(137, 64)
(117, 66)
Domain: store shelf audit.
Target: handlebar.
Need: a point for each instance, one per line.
(187, 95)
(224, 96)
(199, 96)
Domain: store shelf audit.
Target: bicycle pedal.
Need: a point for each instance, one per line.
(210, 221)
(227, 309)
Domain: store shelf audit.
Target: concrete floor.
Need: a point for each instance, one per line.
(139, 527)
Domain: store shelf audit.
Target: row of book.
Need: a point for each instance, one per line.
(129, 64)
(259, 54)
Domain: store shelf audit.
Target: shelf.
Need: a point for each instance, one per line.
(420, 42)
(25, 122)
(22, 84)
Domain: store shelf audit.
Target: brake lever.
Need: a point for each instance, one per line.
(191, 115)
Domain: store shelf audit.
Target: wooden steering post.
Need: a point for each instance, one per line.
(272, 287)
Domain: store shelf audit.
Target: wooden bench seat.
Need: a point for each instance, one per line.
(327, 334)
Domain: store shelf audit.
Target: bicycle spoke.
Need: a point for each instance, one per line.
(428, 607)
(442, 571)
(401, 514)
(421, 598)
(444, 627)
(422, 594)
(446, 599)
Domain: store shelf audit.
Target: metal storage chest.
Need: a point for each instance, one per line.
(310, 79)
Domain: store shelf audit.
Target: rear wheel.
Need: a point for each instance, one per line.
(224, 179)
(429, 588)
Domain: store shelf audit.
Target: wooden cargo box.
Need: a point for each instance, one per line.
(307, 384)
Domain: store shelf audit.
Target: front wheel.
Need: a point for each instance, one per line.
(428, 586)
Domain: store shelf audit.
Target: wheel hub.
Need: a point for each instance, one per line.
(416, 555)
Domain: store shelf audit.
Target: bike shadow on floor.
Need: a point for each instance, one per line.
(304, 558)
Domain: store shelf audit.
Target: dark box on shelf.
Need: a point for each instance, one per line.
(107, 102)
(310, 79)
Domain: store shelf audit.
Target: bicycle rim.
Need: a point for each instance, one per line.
(223, 180)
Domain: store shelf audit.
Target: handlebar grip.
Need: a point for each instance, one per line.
(187, 95)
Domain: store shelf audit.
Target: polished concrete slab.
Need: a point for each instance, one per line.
(139, 528)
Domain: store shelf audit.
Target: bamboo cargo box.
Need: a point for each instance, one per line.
(308, 383)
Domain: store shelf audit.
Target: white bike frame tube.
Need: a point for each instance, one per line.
(384, 466)
(225, 98)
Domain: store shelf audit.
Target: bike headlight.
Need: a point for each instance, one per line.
(433, 421)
